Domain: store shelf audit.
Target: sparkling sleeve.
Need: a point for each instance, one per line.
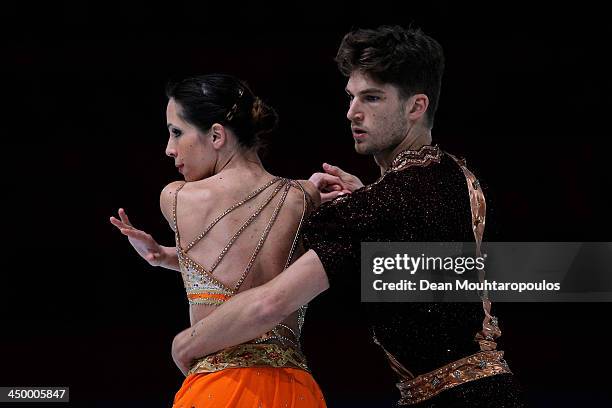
(328, 232)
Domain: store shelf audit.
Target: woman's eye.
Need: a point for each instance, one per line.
(176, 132)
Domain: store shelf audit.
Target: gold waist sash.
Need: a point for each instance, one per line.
(479, 365)
(251, 355)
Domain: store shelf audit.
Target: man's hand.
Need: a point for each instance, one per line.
(180, 360)
(144, 244)
(334, 182)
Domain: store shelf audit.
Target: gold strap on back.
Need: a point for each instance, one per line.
(490, 329)
(299, 228)
(302, 309)
(229, 210)
(275, 333)
(176, 230)
(246, 224)
(264, 235)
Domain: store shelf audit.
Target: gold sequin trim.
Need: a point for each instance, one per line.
(422, 157)
(408, 158)
(250, 355)
(479, 365)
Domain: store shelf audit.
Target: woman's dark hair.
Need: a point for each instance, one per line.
(406, 58)
(224, 99)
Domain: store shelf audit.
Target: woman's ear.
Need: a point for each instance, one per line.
(218, 136)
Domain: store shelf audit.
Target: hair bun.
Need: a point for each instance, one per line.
(265, 118)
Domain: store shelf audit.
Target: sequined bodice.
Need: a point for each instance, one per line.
(201, 286)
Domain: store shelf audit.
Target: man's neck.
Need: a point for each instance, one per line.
(412, 141)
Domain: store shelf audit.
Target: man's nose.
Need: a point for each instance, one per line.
(354, 113)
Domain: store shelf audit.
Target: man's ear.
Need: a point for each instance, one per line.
(416, 106)
(218, 136)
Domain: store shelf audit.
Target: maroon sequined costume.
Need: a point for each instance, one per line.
(422, 198)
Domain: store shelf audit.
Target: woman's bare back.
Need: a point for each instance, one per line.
(199, 203)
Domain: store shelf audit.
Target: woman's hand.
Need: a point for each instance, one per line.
(144, 244)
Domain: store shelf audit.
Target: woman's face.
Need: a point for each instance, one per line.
(191, 149)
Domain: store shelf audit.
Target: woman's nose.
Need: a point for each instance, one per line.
(170, 150)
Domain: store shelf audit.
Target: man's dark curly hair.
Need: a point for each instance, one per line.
(406, 58)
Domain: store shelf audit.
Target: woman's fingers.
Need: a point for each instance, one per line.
(134, 233)
(117, 223)
(124, 217)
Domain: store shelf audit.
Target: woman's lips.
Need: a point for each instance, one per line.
(180, 168)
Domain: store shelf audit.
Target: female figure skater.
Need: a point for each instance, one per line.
(236, 227)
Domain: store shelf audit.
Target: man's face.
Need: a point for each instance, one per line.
(377, 114)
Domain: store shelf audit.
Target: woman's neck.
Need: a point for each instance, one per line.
(245, 162)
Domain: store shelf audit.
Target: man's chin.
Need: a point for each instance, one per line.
(362, 148)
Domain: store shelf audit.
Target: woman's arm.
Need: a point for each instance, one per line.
(143, 243)
(252, 312)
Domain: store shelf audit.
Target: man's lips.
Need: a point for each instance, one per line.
(359, 133)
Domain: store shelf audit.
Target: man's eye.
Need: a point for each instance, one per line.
(372, 98)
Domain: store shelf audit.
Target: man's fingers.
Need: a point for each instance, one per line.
(332, 188)
(332, 180)
(317, 180)
(349, 181)
(335, 170)
(325, 197)
(323, 180)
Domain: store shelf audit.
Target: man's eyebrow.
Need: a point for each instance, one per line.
(366, 91)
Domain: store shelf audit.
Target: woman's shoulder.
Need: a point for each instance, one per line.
(171, 188)
(305, 190)
(167, 196)
(169, 191)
